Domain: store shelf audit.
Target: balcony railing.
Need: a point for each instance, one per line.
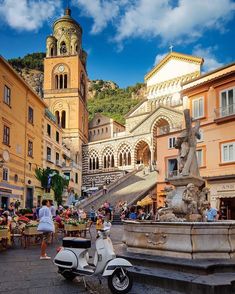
(173, 173)
(225, 111)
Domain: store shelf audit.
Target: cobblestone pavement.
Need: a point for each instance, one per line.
(22, 272)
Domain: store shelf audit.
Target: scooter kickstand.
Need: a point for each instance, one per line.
(84, 281)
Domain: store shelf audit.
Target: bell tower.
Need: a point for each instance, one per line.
(65, 81)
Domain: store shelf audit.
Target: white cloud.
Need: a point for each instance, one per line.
(210, 60)
(182, 23)
(102, 11)
(28, 15)
(158, 58)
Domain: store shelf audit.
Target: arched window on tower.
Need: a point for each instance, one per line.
(63, 48)
(61, 82)
(83, 86)
(56, 82)
(65, 81)
(52, 51)
(63, 120)
(57, 114)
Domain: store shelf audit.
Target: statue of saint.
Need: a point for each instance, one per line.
(186, 143)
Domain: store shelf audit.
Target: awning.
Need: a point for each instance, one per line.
(226, 194)
(146, 201)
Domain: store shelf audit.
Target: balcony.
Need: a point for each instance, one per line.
(172, 174)
(225, 113)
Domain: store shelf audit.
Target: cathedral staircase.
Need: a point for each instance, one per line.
(131, 188)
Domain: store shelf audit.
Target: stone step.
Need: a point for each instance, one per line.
(136, 185)
(198, 266)
(221, 283)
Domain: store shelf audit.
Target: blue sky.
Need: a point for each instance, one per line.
(125, 38)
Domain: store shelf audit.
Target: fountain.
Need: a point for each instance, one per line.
(182, 230)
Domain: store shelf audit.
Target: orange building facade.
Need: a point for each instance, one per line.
(21, 138)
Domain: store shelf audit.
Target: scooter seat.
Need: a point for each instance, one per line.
(72, 242)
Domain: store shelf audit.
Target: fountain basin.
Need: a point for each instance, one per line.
(191, 240)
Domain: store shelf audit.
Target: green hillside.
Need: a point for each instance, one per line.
(29, 61)
(114, 103)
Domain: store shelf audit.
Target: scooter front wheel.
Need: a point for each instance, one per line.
(120, 282)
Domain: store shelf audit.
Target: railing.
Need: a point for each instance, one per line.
(96, 196)
(225, 111)
(173, 173)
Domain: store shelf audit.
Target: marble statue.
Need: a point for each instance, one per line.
(186, 144)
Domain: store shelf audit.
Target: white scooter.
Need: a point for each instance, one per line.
(73, 260)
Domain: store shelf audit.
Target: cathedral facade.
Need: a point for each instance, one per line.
(158, 114)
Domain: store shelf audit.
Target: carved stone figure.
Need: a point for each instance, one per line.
(186, 143)
(203, 202)
(190, 197)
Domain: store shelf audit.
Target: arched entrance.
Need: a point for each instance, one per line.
(142, 153)
(160, 127)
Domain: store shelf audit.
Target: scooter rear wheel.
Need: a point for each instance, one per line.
(67, 274)
(119, 283)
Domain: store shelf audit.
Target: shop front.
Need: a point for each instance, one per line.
(222, 196)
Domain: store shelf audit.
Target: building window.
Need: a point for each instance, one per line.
(7, 95)
(57, 157)
(48, 154)
(30, 148)
(6, 135)
(83, 87)
(63, 120)
(56, 82)
(171, 143)
(198, 108)
(201, 136)
(228, 152)
(172, 167)
(5, 174)
(227, 102)
(107, 130)
(30, 115)
(57, 137)
(48, 130)
(67, 176)
(199, 153)
(76, 178)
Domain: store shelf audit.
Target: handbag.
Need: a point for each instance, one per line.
(46, 224)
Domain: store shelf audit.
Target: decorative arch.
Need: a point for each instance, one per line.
(142, 153)
(124, 154)
(61, 110)
(161, 125)
(61, 79)
(63, 48)
(93, 160)
(108, 157)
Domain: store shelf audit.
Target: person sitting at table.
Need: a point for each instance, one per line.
(4, 219)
